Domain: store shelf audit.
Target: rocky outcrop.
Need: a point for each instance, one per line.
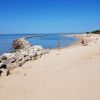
(24, 51)
(21, 43)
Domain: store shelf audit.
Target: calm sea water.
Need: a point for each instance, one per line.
(46, 40)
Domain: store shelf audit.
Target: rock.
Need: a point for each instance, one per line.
(19, 56)
(22, 59)
(0, 60)
(5, 62)
(10, 60)
(34, 58)
(20, 63)
(38, 48)
(39, 53)
(39, 56)
(27, 58)
(3, 57)
(34, 54)
(8, 72)
(24, 53)
(21, 43)
(3, 72)
(7, 54)
(11, 66)
(3, 66)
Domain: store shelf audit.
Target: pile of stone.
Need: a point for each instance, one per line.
(24, 51)
(21, 43)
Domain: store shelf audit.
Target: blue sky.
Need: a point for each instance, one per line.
(49, 16)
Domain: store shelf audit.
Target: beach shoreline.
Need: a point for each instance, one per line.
(46, 40)
(71, 73)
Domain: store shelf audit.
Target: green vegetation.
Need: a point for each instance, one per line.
(94, 32)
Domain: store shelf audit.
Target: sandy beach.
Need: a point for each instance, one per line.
(71, 73)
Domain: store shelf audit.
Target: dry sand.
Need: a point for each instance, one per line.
(69, 74)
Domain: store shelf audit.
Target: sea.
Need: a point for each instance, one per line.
(48, 41)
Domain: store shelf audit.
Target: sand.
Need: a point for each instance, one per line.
(72, 73)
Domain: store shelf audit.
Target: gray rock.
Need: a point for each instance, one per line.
(24, 53)
(39, 56)
(39, 53)
(3, 66)
(27, 58)
(3, 57)
(5, 62)
(19, 56)
(21, 43)
(0, 60)
(10, 60)
(34, 54)
(11, 66)
(3, 72)
(20, 63)
(7, 54)
(34, 58)
(38, 48)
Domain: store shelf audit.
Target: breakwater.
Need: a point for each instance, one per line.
(24, 51)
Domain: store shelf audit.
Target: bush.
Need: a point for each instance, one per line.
(94, 32)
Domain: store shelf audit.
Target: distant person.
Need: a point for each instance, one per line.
(58, 45)
(83, 42)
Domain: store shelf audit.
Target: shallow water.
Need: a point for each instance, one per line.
(46, 40)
